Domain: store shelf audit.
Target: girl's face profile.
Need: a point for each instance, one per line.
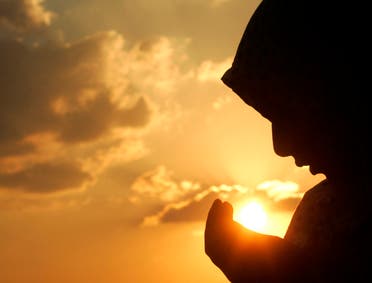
(313, 139)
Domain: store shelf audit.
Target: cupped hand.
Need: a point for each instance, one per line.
(219, 234)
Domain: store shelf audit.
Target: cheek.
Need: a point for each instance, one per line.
(290, 139)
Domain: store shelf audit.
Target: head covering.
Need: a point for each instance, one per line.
(297, 51)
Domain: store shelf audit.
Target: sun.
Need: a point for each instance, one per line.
(252, 216)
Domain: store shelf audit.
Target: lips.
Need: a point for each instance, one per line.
(299, 162)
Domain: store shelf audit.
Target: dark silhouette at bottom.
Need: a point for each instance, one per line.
(301, 65)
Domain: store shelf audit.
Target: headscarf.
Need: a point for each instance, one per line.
(299, 54)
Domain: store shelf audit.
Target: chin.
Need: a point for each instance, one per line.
(315, 170)
(300, 163)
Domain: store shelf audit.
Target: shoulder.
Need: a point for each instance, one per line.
(318, 194)
(326, 212)
(317, 191)
(310, 214)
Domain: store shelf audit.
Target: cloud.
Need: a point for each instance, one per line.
(91, 100)
(198, 206)
(47, 177)
(278, 190)
(181, 200)
(157, 61)
(24, 15)
(71, 90)
(183, 205)
(86, 101)
(99, 117)
(15, 149)
(158, 184)
(288, 204)
(183, 211)
(212, 71)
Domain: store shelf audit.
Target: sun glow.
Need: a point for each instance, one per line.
(252, 216)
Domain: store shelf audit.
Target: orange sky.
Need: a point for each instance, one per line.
(118, 134)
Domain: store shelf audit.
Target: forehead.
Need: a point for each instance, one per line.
(281, 99)
(283, 95)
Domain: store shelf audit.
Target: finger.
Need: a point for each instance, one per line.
(215, 209)
(217, 203)
(220, 211)
(228, 210)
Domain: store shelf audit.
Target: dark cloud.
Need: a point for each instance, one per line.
(8, 149)
(78, 100)
(24, 15)
(47, 177)
(75, 94)
(62, 89)
(99, 117)
(195, 211)
(137, 116)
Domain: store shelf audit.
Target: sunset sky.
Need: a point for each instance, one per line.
(117, 134)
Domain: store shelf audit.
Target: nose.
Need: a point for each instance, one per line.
(282, 141)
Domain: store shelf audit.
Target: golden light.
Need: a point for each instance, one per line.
(252, 216)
